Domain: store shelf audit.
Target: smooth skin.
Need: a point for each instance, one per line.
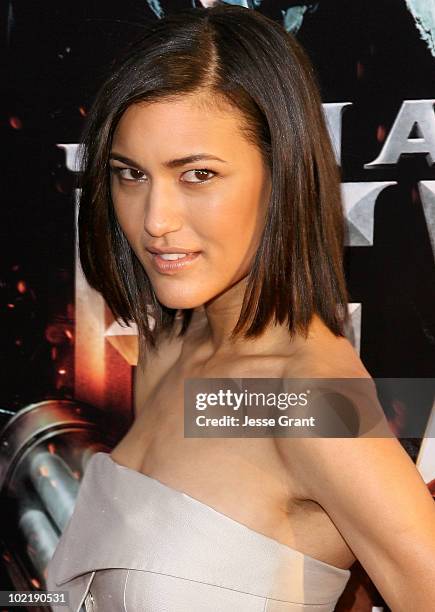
(330, 498)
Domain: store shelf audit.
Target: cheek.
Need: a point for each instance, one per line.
(129, 215)
(231, 219)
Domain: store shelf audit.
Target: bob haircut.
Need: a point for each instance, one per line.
(237, 56)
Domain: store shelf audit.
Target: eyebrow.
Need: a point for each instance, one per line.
(172, 163)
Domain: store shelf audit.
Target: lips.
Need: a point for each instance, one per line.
(173, 266)
(172, 249)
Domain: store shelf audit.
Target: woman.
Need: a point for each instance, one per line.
(211, 201)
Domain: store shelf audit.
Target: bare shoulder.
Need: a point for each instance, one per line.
(326, 357)
(365, 484)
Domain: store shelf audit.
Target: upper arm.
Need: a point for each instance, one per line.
(378, 501)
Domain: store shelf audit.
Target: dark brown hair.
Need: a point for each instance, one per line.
(250, 61)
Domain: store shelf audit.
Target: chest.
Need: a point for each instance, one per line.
(240, 477)
(243, 478)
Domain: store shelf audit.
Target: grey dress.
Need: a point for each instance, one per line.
(134, 544)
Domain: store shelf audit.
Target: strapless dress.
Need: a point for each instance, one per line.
(134, 544)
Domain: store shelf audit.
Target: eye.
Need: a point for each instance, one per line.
(135, 175)
(201, 173)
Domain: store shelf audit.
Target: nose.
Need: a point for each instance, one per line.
(163, 211)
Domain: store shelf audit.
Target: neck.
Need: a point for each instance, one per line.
(219, 316)
(222, 313)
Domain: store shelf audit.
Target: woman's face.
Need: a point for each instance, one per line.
(212, 204)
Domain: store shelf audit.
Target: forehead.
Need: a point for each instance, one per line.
(195, 123)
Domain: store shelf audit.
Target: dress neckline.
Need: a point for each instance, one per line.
(119, 466)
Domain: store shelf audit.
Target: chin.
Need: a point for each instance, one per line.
(178, 300)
